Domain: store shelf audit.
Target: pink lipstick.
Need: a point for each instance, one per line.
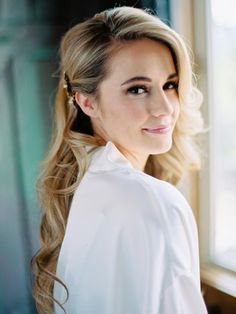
(161, 129)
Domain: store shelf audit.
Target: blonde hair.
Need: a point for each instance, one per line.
(85, 51)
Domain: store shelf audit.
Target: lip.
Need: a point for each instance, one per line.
(161, 129)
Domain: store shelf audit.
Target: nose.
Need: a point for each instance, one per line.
(160, 104)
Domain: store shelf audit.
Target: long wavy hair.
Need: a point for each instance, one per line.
(85, 51)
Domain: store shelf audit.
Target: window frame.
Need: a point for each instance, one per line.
(194, 26)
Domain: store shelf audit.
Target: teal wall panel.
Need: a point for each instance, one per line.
(14, 277)
(26, 88)
(34, 121)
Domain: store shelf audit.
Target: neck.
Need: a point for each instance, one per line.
(137, 160)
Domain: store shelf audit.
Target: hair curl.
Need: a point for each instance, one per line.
(85, 50)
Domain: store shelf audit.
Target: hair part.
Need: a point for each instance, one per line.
(85, 53)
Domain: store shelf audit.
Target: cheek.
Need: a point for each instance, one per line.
(135, 111)
(127, 113)
(117, 110)
(106, 112)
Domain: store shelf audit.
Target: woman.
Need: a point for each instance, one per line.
(116, 234)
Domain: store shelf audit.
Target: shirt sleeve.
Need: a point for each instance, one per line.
(182, 297)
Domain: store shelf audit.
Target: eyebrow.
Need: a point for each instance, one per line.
(147, 79)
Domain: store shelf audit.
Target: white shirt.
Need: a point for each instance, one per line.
(131, 244)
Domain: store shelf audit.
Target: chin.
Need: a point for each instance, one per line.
(161, 149)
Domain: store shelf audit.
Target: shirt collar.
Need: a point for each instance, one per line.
(108, 157)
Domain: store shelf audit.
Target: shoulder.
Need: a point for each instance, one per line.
(134, 185)
(128, 184)
(146, 209)
(132, 192)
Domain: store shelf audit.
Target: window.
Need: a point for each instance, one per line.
(223, 155)
(210, 29)
(215, 19)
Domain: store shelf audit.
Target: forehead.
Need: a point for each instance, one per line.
(139, 57)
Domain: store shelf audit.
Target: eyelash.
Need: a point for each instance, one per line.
(175, 85)
(165, 87)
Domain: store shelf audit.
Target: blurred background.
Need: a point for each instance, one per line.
(30, 31)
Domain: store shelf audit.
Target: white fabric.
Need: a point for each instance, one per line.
(131, 244)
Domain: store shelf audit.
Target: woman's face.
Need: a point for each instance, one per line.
(137, 97)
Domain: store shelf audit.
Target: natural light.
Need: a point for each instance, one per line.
(223, 12)
(223, 110)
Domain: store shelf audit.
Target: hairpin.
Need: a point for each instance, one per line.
(69, 92)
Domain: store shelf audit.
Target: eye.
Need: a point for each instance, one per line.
(137, 90)
(171, 85)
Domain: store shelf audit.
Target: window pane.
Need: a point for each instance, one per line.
(223, 108)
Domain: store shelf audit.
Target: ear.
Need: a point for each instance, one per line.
(87, 104)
